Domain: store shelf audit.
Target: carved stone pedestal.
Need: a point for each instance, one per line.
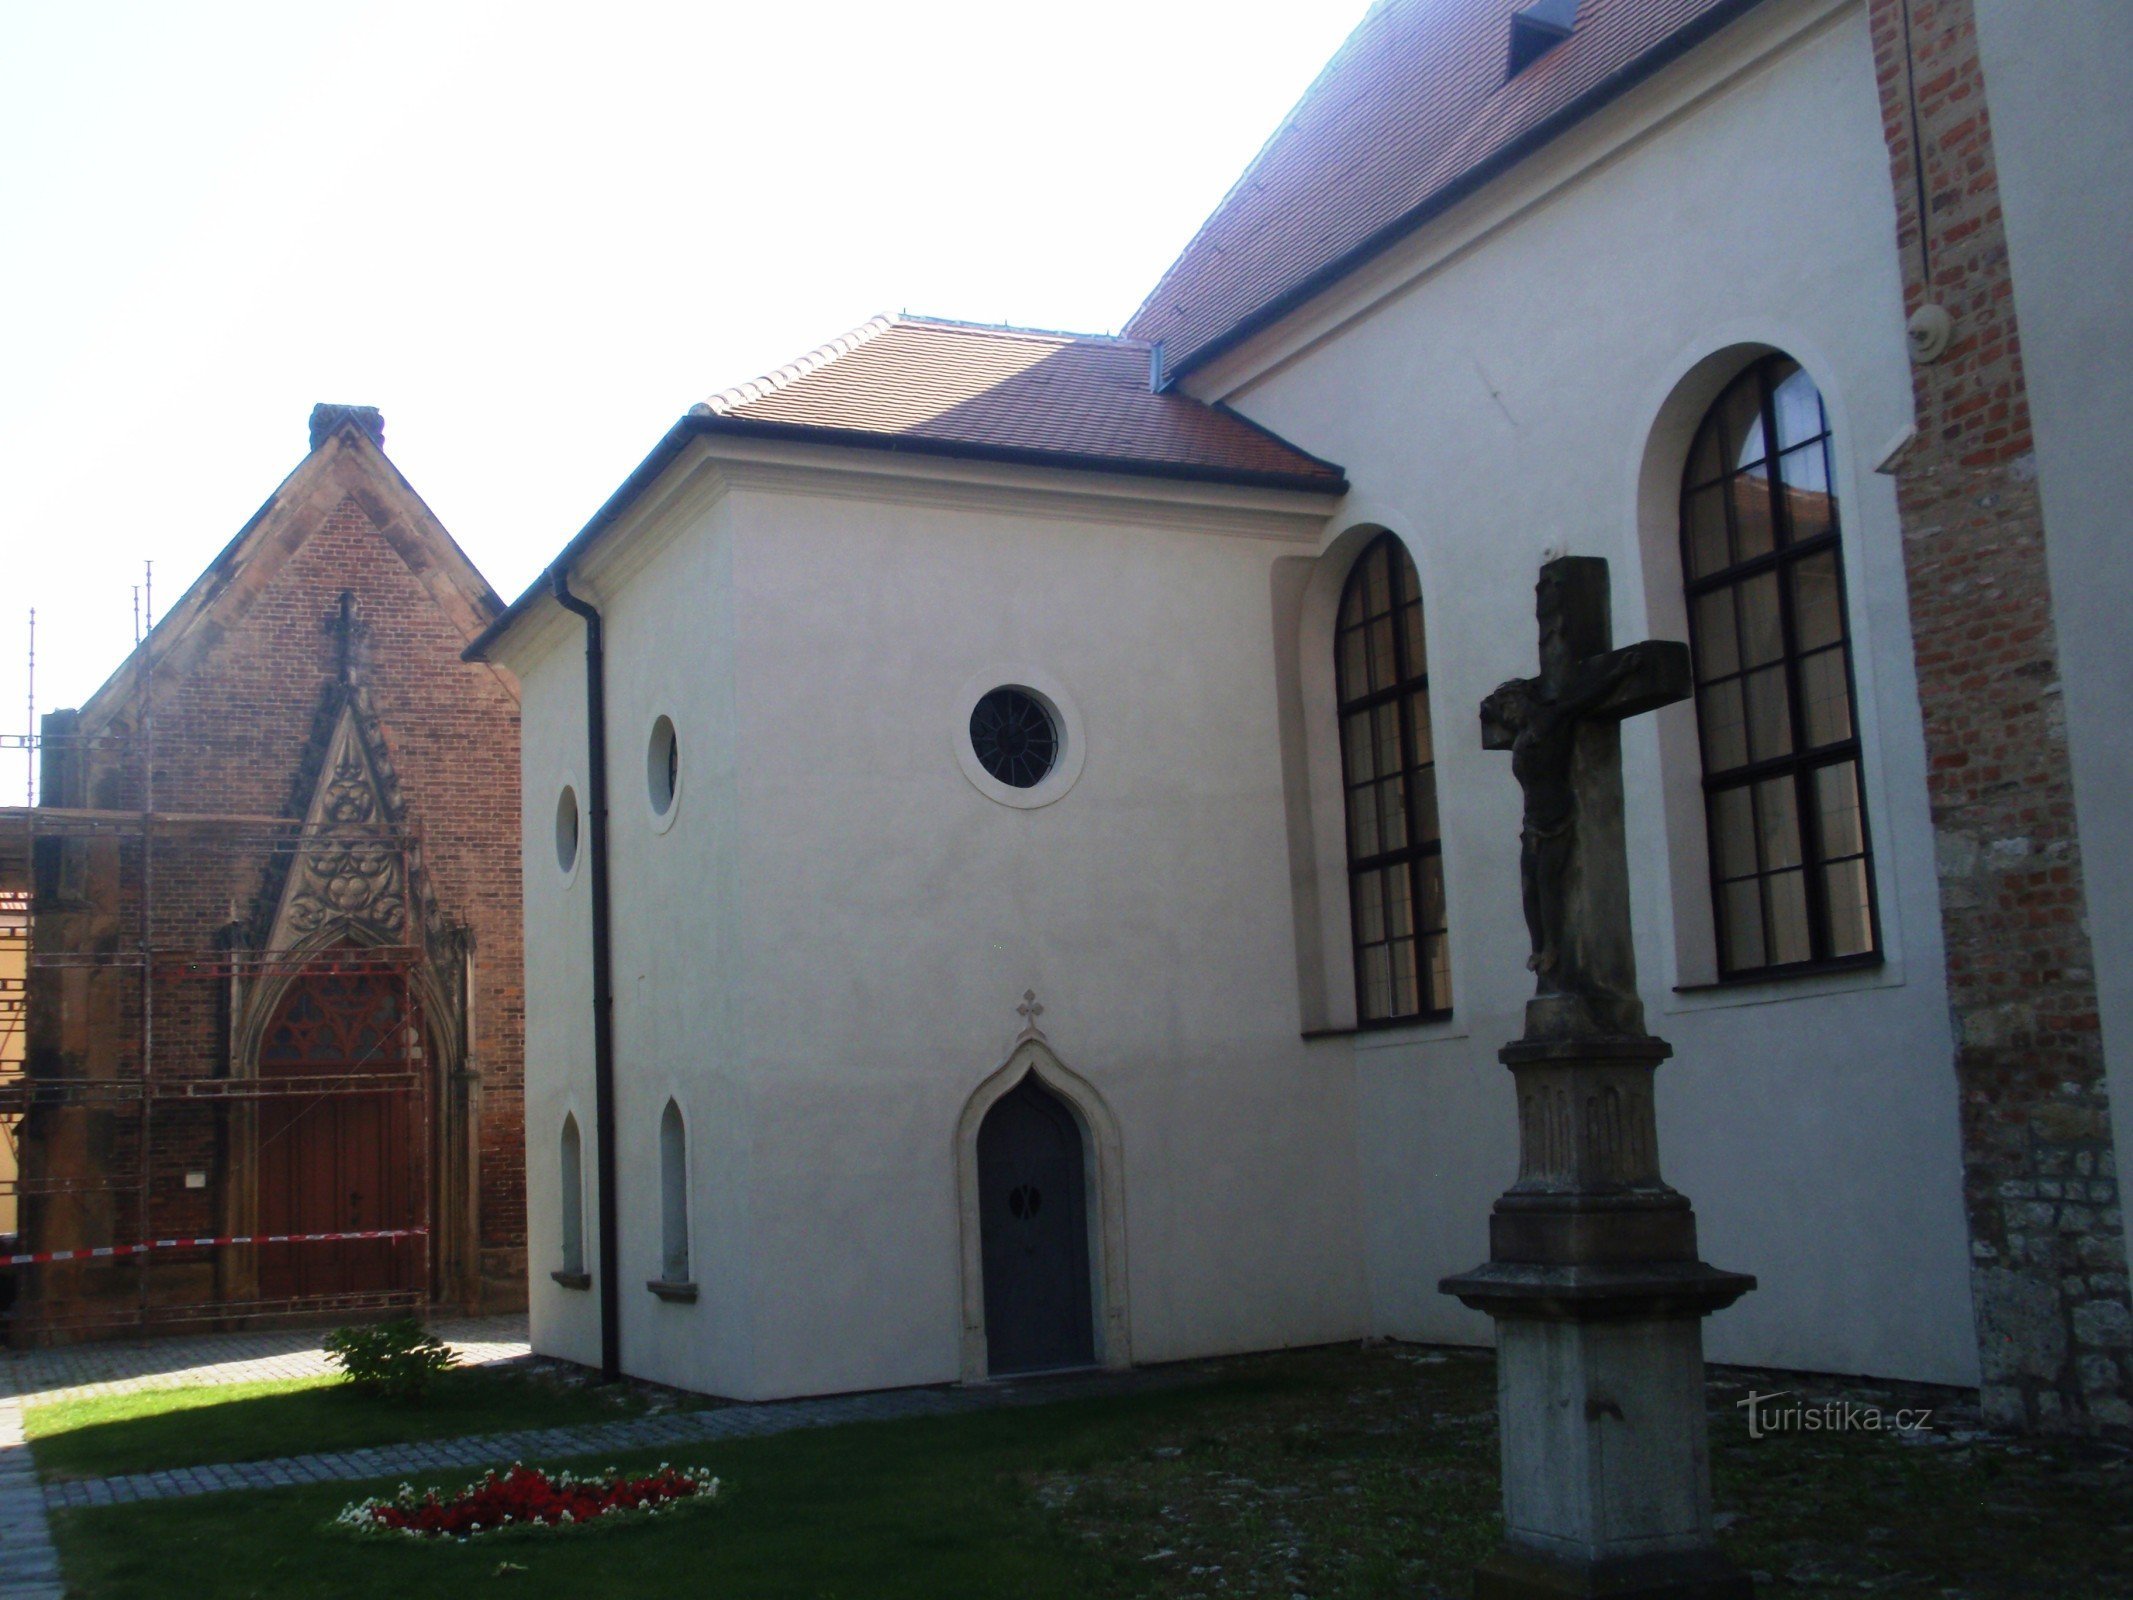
(1599, 1298)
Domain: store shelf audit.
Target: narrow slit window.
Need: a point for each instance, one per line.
(1791, 868)
(673, 1197)
(1389, 778)
(572, 1176)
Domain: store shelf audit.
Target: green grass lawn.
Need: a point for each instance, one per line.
(294, 1416)
(1336, 1474)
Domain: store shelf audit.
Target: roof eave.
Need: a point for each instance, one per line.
(1331, 481)
(642, 478)
(1602, 94)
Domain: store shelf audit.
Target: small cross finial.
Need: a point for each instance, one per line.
(1029, 1011)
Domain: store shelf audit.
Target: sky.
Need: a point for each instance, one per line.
(533, 235)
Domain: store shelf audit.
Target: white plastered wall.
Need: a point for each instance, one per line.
(1520, 378)
(664, 592)
(895, 915)
(821, 956)
(559, 1075)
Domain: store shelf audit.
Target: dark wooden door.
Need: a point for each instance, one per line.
(340, 1141)
(1034, 1227)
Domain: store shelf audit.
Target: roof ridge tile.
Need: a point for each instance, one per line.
(741, 394)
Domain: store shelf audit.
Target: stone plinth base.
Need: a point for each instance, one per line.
(1606, 1463)
(1604, 1447)
(1513, 1575)
(1599, 1300)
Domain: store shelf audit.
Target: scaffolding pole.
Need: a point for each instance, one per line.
(154, 1092)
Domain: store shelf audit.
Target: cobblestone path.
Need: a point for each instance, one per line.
(460, 1456)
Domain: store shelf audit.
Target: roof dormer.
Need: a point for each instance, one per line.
(1538, 28)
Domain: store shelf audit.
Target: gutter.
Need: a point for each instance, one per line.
(603, 978)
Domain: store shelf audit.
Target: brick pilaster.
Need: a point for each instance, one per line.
(2048, 1259)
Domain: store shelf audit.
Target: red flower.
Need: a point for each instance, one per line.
(525, 1496)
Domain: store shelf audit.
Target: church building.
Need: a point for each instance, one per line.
(273, 1015)
(1013, 880)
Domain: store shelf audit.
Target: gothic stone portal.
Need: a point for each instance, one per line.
(340, 1162)
(1034, 1224)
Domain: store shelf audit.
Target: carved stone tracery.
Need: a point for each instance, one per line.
(350, 867)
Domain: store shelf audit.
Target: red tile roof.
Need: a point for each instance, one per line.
(1414, 110)
(952, 388)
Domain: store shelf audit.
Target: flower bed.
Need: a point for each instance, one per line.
(524, 1497)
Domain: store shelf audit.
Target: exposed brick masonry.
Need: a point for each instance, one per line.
(2048, 1253)
(235, 725)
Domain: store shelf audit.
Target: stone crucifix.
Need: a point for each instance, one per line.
(1563, 729)
(1593, 1275)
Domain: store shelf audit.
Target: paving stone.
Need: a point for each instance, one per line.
(85, 1371)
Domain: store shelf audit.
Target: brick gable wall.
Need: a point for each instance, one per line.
(235, 730)
(2048, 1254)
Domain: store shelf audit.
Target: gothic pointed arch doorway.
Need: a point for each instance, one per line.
(340, 1147)
(1040, 1172)
(1033, 1217)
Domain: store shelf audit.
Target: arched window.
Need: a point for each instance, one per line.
(1791, 872)
(1388, 769)
(673, 1197)
(573, 1193)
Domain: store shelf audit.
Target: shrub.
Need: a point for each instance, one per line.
(396, 1359)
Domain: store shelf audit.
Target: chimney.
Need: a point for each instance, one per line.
(326, 421)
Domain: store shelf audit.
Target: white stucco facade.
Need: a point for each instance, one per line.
(820, 948)
(1523, 377)
(820, 957)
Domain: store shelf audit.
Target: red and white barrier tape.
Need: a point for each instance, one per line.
(40, 1257)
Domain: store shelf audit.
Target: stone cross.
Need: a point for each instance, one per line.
(1593, 1276)
(1029, 1011)
(1563, 729)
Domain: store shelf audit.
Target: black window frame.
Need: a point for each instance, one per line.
(1802, 762)
(1408, 694)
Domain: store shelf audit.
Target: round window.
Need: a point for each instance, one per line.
(566, 828)
(1015, 737)
(662, 767)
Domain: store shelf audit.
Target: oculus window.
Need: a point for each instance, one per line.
(1389, 774)
(662, 767)
(1791, 866)
(566, 830)
(1015, 737)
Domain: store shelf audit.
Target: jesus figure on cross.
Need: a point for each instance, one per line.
(1563, 731)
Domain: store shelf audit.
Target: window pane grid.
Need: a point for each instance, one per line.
(1389, 772)
(1791, 867)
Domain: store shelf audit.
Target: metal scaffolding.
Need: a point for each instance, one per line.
(102, 908)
